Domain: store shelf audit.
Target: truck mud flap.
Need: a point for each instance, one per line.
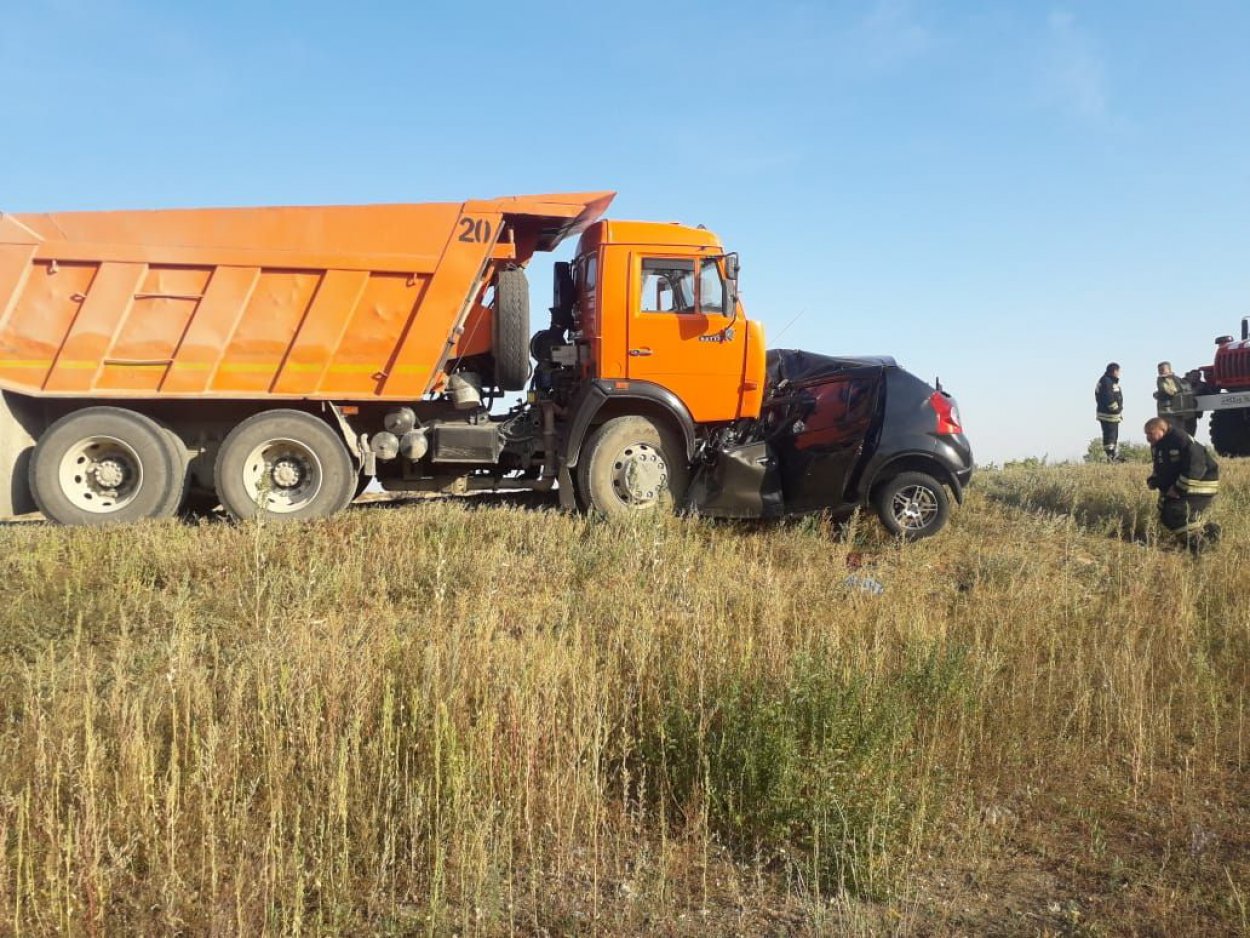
(740, 482)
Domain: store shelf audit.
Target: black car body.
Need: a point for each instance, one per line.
(837, 434)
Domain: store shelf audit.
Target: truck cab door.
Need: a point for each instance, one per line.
(681, 336)
(822, 428)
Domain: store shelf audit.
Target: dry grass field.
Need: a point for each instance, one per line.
(474, 717)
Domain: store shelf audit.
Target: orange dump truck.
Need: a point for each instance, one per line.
(276, 359)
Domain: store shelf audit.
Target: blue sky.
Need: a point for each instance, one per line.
(1005, 195)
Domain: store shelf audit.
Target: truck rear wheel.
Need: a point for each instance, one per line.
(106, 465)
(1230, 432)
(284, 465)
(632, 464)
(511, 339)
(182, 464)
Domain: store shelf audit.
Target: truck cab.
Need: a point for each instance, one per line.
(658, 303)
(650, 341)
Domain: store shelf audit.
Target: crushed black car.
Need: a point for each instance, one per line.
(837, 434)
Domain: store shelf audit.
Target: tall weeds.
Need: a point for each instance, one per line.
(462, 717)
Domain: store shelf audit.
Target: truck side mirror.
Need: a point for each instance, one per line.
(731, 283)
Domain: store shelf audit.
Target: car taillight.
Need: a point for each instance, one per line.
(947, 413)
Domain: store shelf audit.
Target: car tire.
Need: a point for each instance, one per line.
(284, 465)
(632, 464)
(912, 505)
(105, 465)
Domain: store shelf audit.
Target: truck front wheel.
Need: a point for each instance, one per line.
(632, 464)
(284, 465)
(1230, 432)
(104, 465)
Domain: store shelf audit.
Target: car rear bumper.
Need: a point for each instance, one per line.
(955, 454)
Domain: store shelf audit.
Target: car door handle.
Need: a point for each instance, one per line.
(640, 352)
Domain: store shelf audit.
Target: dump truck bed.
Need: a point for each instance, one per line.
(333, 302)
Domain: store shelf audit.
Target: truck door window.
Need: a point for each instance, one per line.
(711, 288)
(589, 273)
(668, 285)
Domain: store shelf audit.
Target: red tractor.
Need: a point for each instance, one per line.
(1224, 390)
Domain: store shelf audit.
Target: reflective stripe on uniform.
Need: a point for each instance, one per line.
(1194, 520)
(1196, 524)
(1109, 418)
(1198, 486)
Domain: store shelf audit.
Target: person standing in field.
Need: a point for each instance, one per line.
(1110, 404)
(1170, 394)
(1187, 478)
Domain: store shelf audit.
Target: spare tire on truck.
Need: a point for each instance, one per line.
(512, 330)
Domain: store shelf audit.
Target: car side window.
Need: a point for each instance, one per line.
(668, 285)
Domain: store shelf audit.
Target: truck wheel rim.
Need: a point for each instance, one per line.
(639, 475)
(914, 507)
(282, 476)
(100, 474)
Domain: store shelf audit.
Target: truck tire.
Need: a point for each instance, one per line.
(1230, 432)
(912, 505)
(105, 465)
(181, 462)
(511, 340)
(632, 464)
(284, 465)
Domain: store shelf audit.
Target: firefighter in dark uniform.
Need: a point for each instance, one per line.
(1110, 410)
(1174, 393)
(1187, 478)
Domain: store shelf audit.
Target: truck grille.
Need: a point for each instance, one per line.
(1232, 367)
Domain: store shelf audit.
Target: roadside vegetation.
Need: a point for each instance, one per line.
(1129, 451)
(481, 717)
